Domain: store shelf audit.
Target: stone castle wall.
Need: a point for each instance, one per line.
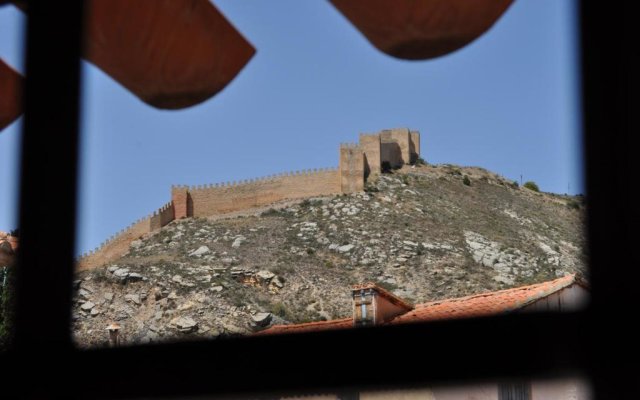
(351, 168)
(182, 205)
(397, 147)
(371, 147)
(395, 143)
(118, 245)
(114, 247)
(414, 146)
(357, 162)
(163, 216)
(203, 201)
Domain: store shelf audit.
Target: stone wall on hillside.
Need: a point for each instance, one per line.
(357, 162)
(208, 200)
(118, 245)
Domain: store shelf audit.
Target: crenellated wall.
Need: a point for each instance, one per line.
(357, 162)
(118, 245)
(181, 204)
(207, 200)
(114, 247)
(397, 146)
(162, 216)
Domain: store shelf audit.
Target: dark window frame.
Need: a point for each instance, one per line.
(502, 347)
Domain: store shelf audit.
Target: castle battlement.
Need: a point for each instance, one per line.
(349, 145)
(252, 181)
(357, 163)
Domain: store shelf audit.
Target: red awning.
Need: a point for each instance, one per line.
(419, 30)
(178, 53)
(171, 54)
(10, 95)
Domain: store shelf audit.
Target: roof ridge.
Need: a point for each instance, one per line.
(284, 327)
(313, 323)
(502, 291)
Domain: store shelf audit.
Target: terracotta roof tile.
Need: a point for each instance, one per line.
(484, 304)
(478, 305)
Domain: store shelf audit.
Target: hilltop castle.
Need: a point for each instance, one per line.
(391, 148)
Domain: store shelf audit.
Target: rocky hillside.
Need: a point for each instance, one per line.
(425, 232)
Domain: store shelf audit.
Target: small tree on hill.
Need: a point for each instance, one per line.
(531, 186)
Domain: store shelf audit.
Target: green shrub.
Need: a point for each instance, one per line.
(531, 186)
(574, 205)
(405, 179)
(369, 188)
(282, 269)
(270, 213)
(237, 301)
(388, 286)
(279, 309)
(515, 184)
(466, 181)
(420, 161)
(99, 276)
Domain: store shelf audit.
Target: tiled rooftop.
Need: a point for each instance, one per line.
(309, 327)
(483, 304)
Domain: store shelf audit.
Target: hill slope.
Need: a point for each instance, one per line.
(420, 232)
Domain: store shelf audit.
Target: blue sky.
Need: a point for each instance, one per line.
(508, 102)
